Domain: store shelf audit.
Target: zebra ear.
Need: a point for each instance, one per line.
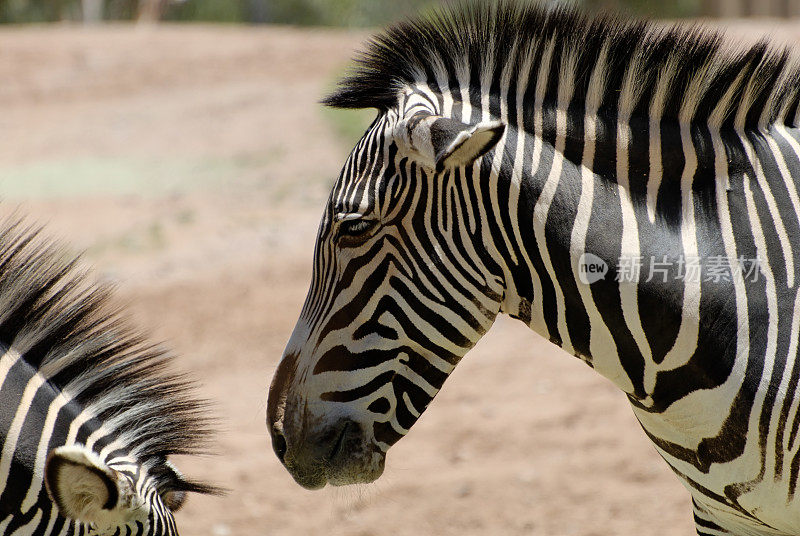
(86, 489)
(174, 487)
(440, 142)
(174, 495)
(458, 144)
(174, 499)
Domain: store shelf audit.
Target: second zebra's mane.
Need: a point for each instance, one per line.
(67, 329)
(683, 74)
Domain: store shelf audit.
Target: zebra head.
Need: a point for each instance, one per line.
(403, 286)
(118, 497)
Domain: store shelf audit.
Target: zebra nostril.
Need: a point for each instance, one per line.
(279, 444)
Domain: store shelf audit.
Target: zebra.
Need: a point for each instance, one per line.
(522, 161)
(89, 415)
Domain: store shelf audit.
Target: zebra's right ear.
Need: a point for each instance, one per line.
(440, 142)
(458, 144)
(176, 486)
(86, 489)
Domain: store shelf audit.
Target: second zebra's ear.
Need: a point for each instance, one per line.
(86, 489)
(440, 142)
(173, 487)
(174, 495)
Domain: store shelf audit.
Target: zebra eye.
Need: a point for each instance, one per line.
(355, 230)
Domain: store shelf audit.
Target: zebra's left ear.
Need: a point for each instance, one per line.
(440, 142)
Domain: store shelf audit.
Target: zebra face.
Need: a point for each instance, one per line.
(397, 298)
(109, 500)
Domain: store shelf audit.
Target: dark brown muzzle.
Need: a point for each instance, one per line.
(316, 442)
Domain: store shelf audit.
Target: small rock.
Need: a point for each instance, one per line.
(464, 491)
(527, 476)
(221, 529)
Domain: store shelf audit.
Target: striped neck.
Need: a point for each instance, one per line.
(663, 209)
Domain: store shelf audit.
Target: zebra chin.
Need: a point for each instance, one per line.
(317, 477)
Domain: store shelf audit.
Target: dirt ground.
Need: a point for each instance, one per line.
(191, 164)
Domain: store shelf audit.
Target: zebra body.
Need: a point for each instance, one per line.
(511, 145)
(88, 415)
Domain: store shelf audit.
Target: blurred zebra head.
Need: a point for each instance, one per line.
(403, 286)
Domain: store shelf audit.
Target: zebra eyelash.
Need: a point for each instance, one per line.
(354, 231)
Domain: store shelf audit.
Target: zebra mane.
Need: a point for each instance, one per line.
(67, 329)
(686, 74)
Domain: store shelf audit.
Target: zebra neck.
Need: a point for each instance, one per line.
(657, 193)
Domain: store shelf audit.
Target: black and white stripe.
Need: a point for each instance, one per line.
(88, 413)
(623, 140)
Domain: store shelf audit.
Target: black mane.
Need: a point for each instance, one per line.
(473, 35)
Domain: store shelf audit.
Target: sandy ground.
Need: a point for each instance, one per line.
(191, 165)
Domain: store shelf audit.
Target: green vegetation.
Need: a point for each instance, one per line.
(348, 125)
(650, 8)
(361, 13)
(348, 13)
(144, 237)
(343, 13)
(77, 177)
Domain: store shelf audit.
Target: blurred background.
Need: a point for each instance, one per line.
(181, 147)
(347, 13)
